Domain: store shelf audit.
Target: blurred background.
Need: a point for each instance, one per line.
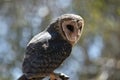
(95, 57)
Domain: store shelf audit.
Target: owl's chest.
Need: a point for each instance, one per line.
(57, 52)
(58, 49)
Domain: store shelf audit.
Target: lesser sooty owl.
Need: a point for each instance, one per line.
(48, 49)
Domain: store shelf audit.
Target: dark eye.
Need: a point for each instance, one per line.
(70, 28)
(80, 27)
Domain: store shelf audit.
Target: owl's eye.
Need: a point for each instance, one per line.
(70, 28)
(80, 27)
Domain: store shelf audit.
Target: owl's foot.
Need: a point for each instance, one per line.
(58, 76)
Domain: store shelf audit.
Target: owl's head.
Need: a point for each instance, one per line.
(70, 27)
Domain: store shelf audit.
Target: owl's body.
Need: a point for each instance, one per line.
(45, 54)
(48, 49)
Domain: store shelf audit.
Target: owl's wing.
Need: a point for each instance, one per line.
(35, 59)
(41, 37)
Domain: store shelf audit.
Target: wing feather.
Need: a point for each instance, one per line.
(35, 59)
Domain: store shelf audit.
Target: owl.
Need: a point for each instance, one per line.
(47, 50)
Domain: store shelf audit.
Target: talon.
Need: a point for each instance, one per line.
(54, 76)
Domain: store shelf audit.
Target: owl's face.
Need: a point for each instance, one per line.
(71, 27)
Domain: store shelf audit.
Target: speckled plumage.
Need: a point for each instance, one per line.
(48, 49)
(40, 61)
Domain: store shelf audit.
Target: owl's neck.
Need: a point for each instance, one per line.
(56, 35)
